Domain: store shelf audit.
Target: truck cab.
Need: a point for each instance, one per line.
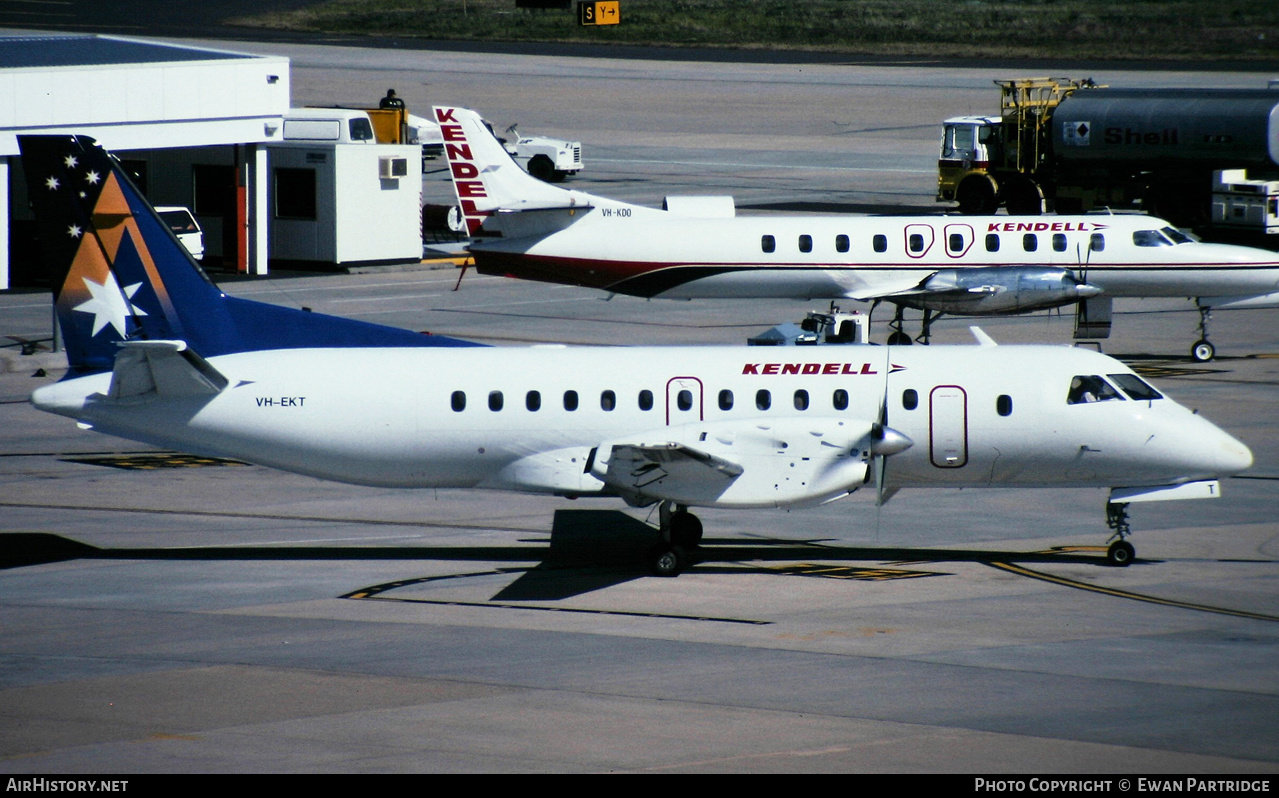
(969, 144)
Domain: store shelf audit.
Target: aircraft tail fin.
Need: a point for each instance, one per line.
(119, 273)
(485, 177)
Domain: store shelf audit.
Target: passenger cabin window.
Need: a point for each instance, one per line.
(608, 401)
(684, 400)
(725, 399)
(763, 399)
(1097, 242)
(1059, 242)
(956, 242)
(841, 243)
(495, 401)
(1004, 405)
(1135, 387)
(801, 399)
(839, 400)
(805, 243)
(910, 399)
(570, 400)
(645, 399)
(1087, 388)
(1149, 238)
(768, 244)
(1030, 242)
(533, 401)
(992, 242)
(880, 243)
(458, 401)
(916, 242)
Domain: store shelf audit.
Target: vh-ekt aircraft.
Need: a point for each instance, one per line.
(963, 265)
(158, 354)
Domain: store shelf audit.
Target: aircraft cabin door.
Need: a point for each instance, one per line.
(948, 426)
(683, 400)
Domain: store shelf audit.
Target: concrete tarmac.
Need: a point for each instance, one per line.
(167, 614)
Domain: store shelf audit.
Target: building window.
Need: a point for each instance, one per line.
(213, 190)
(295, 194)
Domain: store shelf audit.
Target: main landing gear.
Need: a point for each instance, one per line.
(899, 337)
(1203, 350)
(681, 532)
(1121, 552)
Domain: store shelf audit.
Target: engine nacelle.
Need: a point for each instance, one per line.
(997, 290)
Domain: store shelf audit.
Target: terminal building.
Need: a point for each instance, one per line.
(206, 129)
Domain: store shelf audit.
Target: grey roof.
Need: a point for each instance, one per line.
(18, 52)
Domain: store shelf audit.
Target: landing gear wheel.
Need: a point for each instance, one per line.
(667, 559)
(686, 529)
(1202, 351)
(1120, 553)
(541, 167)
(899, 339)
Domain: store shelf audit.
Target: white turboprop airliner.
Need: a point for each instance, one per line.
(158, 354)
(964, 265)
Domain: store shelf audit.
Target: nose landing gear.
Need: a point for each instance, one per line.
(1121, 552)
(1203, 350)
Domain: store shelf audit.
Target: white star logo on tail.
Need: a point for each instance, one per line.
(110, 304)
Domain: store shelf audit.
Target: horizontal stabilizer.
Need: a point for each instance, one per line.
(1208, 489)
(162, 368)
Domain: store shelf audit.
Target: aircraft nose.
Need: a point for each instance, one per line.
(1233, 456)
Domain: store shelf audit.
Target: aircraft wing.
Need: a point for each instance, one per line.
(777, 462)
(162, 368)
(636, 467)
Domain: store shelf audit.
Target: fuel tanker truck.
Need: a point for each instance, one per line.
(1199, 158)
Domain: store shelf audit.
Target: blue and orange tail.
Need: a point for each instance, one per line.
(119, 274)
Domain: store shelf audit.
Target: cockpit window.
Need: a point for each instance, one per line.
(1135, 387)
(1090, 388)
(1177, 236)
(1150, 238)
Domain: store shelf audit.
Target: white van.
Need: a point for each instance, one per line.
(336, 125)
(185, 227)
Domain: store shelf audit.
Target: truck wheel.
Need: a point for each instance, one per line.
(540, 166)
(976, 196)
(1023, 197)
